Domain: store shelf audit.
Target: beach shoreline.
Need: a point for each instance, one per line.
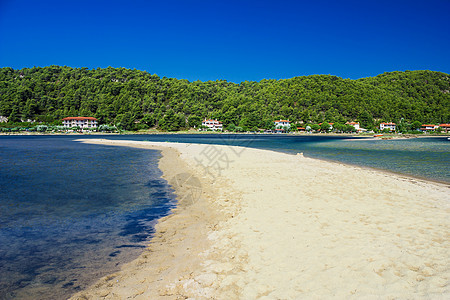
(276, 225)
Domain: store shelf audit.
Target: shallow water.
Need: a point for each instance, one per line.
(427, 158)
(71, 213)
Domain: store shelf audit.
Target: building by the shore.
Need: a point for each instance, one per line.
(433, 127)
(282, 123)
(356, 126)
(82, 122)
(213, 125)
(390, 126)
(428, 127)
(445, 127)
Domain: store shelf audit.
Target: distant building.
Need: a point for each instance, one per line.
(282, 123)
(301, 129)
(3, 119)
(82, 122)
(428, 127)
(445, 127)
(214, 125)
(390, 126)
(356, 126)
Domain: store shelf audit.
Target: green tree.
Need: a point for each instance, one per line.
(231, 127)
(170, 121)
(148, 120)
(194, 121)
(416, 125)
(315, 127)
(325, 127)
(125, 121)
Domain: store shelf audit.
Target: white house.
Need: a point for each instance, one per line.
(282, 123)
(445, 127)
(213, 124)
(354, 124)
(390, 126)
(428, 127)
(82, 122)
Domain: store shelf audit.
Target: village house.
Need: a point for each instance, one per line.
(282, 123)
(428, 127)
(390, 126)
(356, 126)
(82, 122)
(445, 127)
(214, 125)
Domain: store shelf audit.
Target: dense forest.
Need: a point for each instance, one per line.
(133, 99)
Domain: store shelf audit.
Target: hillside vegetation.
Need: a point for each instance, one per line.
(135, 99)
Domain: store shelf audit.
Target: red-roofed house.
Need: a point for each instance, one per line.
(282, 123)
(445, 127)
(354, 124)
(82, 122)
(428, 127)
(390, 126)
(213, 124)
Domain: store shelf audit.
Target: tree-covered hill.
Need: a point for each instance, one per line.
(137, 99)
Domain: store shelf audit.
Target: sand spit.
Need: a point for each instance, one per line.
(256, 224)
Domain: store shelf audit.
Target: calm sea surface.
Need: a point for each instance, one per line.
(71, 213)
(427, 157)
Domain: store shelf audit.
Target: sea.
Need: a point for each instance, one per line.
(71, 213)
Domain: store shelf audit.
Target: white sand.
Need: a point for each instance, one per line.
(269, 225)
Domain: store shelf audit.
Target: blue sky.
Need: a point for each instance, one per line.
(232, 40)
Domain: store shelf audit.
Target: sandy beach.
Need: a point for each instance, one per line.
(258, 224)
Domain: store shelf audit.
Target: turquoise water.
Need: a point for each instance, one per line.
(427, 158)
(71, 212)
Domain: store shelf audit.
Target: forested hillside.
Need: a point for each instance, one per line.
(136, 99)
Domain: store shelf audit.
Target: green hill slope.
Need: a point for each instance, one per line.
(131, 97)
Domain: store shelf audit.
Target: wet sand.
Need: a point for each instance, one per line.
(257, 224)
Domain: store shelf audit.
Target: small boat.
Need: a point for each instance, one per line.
(377, 135)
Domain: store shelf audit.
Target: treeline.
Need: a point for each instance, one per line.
(133, 99)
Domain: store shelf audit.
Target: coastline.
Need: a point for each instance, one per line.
(174, 250)
(276, 225)
(353, 135)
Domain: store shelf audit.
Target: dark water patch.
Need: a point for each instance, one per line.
(63, 209)
(130, 246)
(113, 254)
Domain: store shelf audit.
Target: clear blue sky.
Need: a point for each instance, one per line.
(232, 40)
